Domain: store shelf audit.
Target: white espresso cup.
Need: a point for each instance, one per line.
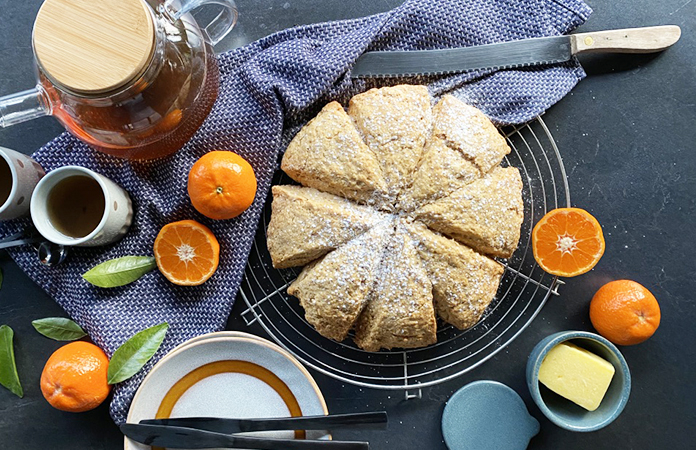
(19, 175)
(76, 206)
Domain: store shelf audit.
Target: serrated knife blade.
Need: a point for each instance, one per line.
(503, 55)
(506, 55)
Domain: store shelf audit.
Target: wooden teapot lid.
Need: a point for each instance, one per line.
(93, 46)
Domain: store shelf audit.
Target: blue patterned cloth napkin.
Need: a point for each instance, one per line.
(268, 90)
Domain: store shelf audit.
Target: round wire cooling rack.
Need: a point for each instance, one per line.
(522, 293)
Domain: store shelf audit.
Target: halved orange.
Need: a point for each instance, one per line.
(187, 252)
(567, 242)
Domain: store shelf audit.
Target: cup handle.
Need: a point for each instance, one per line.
(217, 28)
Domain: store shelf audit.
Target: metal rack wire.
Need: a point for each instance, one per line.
(522, 293)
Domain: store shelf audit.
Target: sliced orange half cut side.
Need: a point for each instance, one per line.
(567, 242)
(187, 252)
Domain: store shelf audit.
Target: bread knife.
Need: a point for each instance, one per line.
(512, 54)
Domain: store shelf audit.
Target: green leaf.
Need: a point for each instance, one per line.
(8, 367)
(130, 357)
(59, 328)
(120, 271)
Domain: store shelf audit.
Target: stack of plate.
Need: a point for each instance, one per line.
(228, 374)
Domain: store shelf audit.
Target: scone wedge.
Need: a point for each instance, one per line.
(486, 214)
(329, 154)
(464, 281)
(334, 290)
(306, 224)
(463, 146)
(395, 122)
(399, 312)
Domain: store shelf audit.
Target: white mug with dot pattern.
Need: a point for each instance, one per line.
(19, 175)
(113, 222)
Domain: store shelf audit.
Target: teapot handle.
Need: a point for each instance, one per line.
(23, 106)
(218, 28)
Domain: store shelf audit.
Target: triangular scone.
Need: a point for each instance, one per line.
(441, 171)
(395, 122)
(306, 224)
(486, 214)
(400, 311)
(464, 146)
(464, 281)
(334, 290)
(329, 154)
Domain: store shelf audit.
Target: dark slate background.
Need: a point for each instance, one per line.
(627, 136)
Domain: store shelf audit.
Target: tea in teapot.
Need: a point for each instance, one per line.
(131, 78)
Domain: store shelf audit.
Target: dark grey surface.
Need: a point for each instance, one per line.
(627, 136)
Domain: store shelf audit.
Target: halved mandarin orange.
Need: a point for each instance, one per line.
(567, 242)
(187, 252)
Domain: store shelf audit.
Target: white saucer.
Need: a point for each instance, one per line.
(244, 376)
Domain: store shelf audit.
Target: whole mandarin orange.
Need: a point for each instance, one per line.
(221, 185)
(74, 377)
(625, 312)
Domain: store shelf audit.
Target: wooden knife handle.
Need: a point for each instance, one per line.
(628, 40)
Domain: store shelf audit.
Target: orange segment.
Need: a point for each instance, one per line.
(567, 242)
(187, 252)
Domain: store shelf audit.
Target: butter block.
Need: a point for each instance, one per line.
(576, 374)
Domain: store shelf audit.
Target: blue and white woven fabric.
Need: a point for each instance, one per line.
(268, 90)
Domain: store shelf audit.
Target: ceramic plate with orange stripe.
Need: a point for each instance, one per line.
(228, 374)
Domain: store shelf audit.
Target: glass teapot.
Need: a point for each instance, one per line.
(131, 78)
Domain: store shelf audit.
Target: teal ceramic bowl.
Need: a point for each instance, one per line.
(565, 413)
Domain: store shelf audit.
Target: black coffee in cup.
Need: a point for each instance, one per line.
(5, 181)
(76, 205)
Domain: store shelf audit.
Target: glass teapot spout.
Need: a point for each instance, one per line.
(23, 106)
